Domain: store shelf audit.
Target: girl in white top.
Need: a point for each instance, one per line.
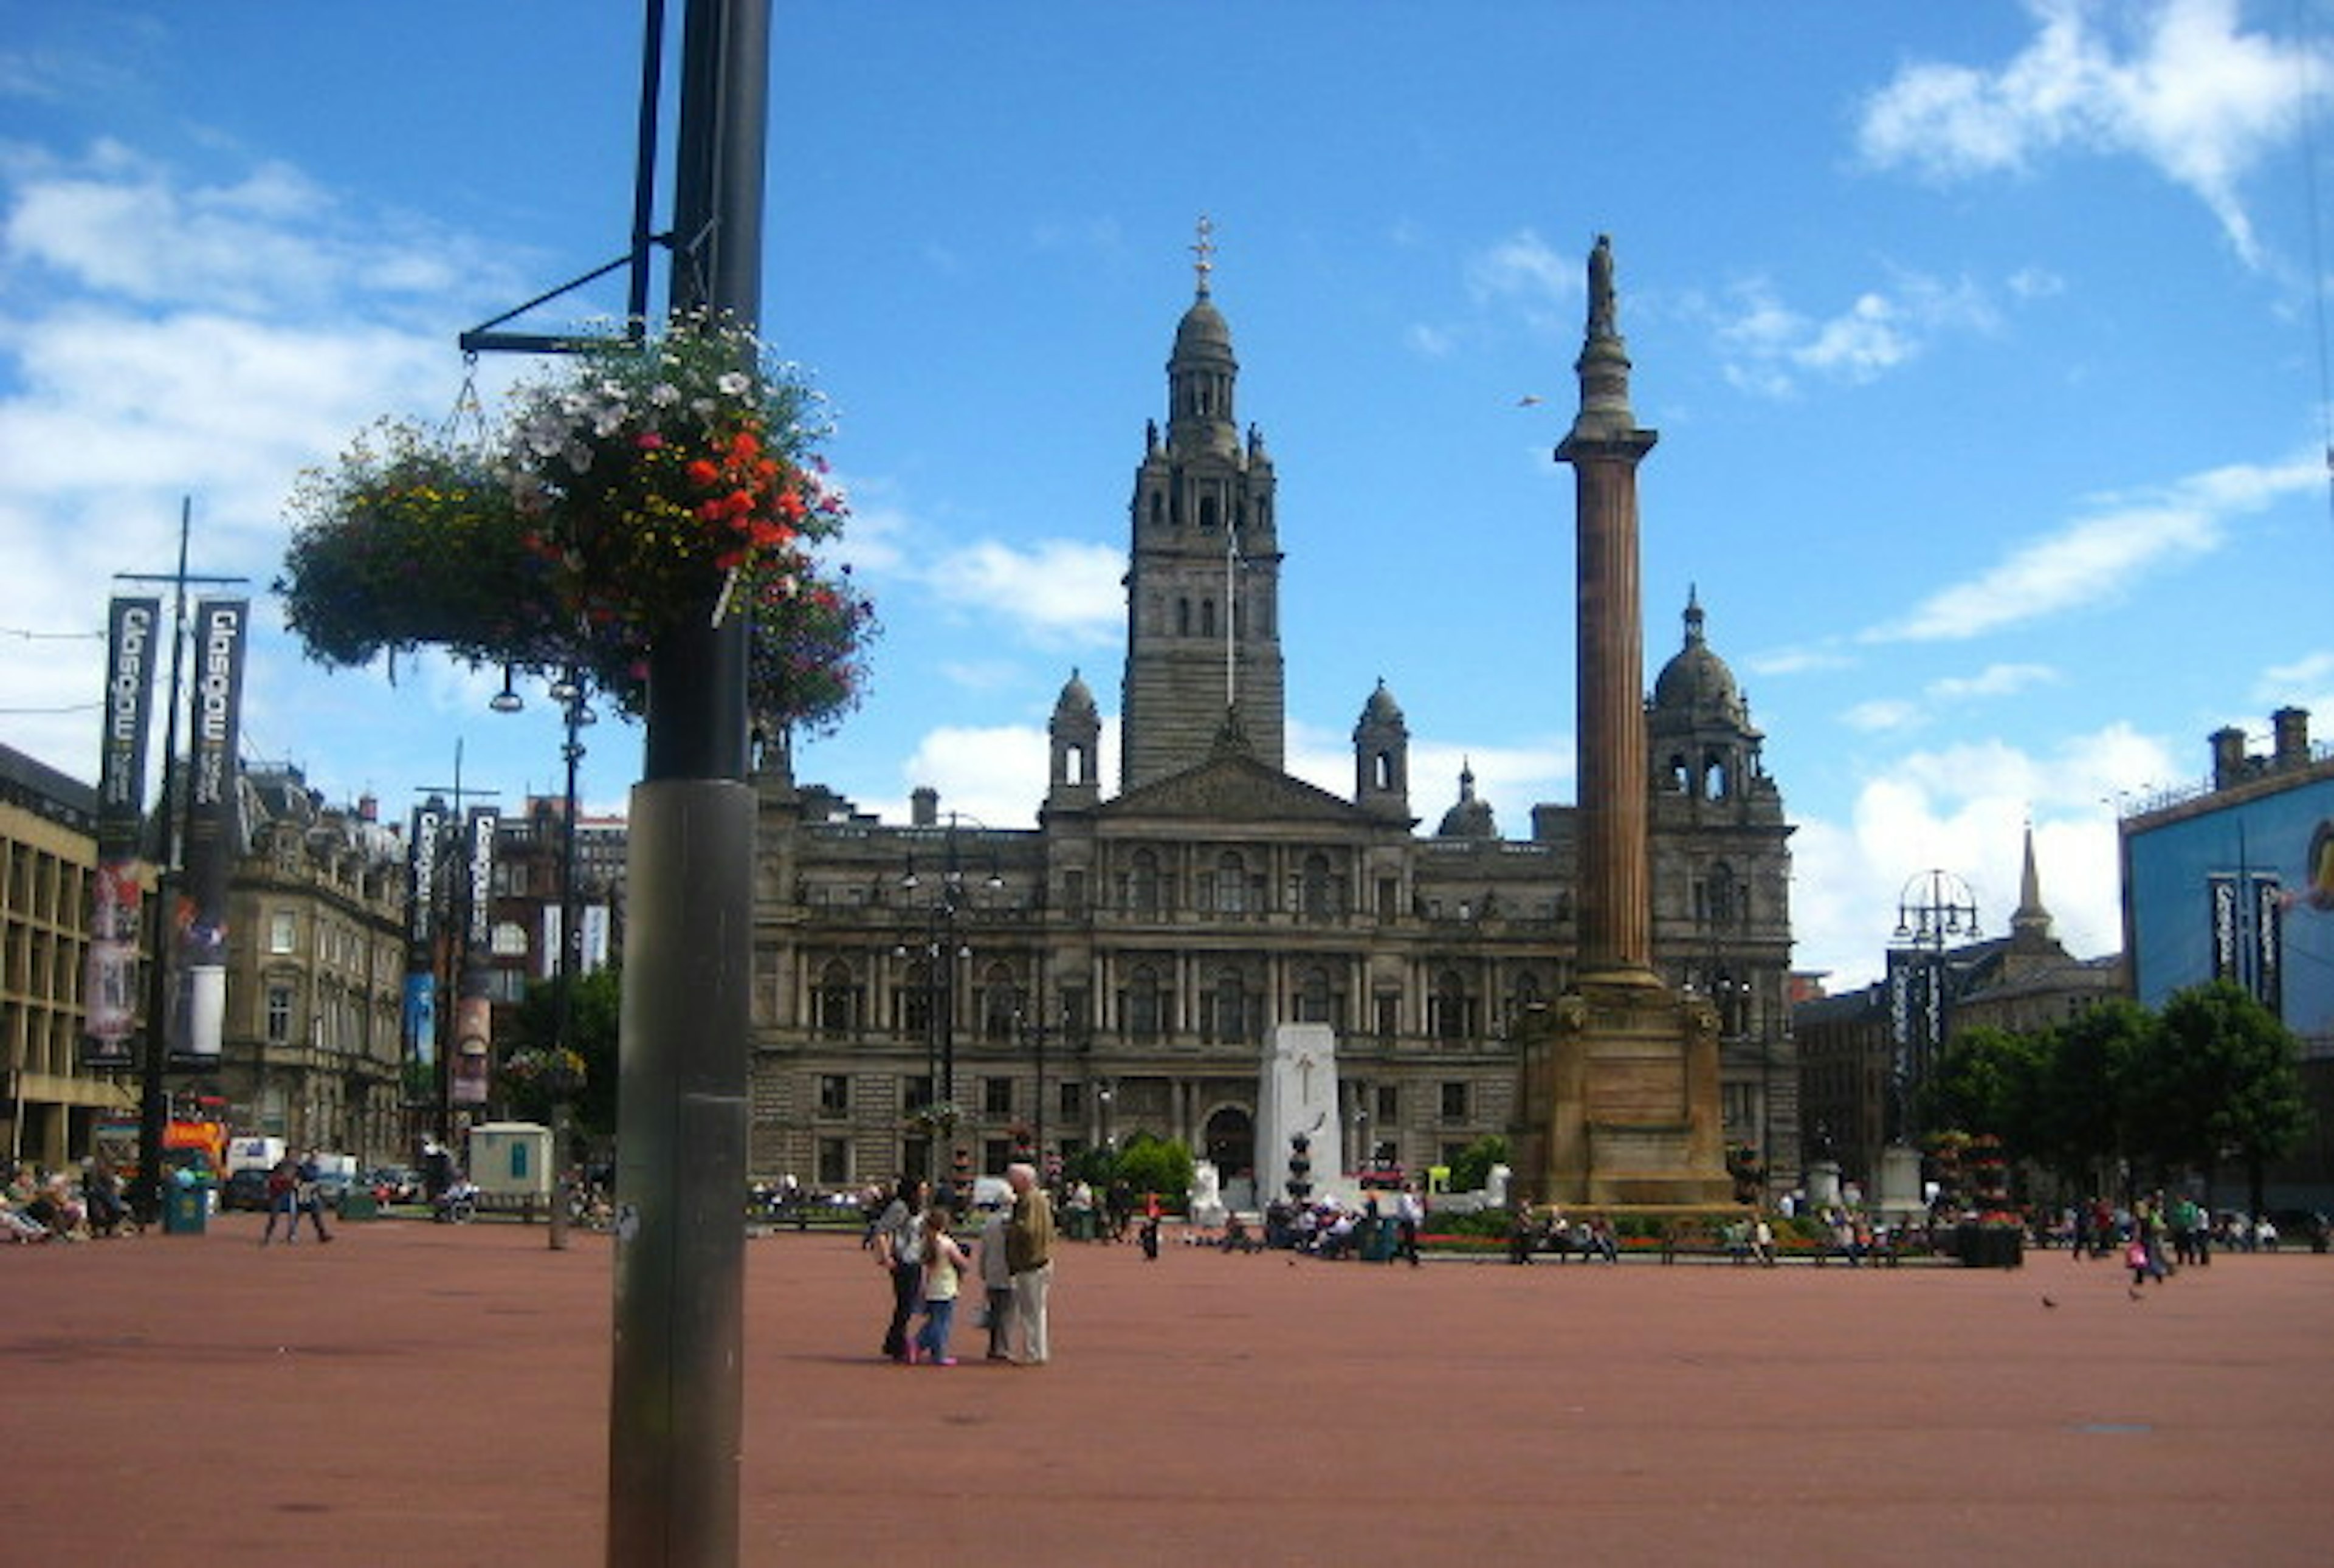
(944, 1264)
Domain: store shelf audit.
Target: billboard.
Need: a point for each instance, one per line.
(2239, 890)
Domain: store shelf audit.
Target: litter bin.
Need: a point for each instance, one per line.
(356, 1203)
(184, 1210)
(1378, 1237)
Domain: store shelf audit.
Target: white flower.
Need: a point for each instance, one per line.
(608, 422)
(664, 394)
(579, 456)
(733, 383)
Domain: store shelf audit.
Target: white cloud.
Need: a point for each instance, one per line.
(2089, 562)
(1057, 592)
(1964, 809)
(1765, 345)
(1526, 264)
(1993, 681)
(1882, 715)
(2179, 85)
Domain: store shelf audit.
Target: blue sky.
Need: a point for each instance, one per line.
(1987, 345)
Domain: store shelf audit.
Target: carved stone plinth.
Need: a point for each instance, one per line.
(1620, 1082)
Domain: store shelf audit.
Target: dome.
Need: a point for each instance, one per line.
(1696, 680)
(1381, 709)
(1470, 818)
(1203, 334)
(1076, 701)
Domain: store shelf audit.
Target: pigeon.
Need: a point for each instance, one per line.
(2049, 1301)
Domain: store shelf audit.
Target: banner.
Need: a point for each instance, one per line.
(421, 923)
(2268, 944)
(110, 984)
(473, 1060)
(221, 628)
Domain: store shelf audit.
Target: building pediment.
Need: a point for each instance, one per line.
(1233, 789)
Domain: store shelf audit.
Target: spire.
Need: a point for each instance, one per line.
(1693, 637)
(1203, 251)
(2030, 917)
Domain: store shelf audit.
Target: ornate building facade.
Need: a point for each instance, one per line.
(1121, 966)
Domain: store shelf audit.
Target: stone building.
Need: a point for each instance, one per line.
(312, 1051)
(48, 853)
(1121, 966)
(1850, 1045)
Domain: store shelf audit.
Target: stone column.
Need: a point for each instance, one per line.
(1604, 448)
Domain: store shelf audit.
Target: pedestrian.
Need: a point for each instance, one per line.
(996, 1280)
(310, 1197)
(1408, 1211)
(899, 1248)
(944, 1265)
(1029, 1254)
(283, 1201)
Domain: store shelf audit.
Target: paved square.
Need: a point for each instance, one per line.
(438, 1396)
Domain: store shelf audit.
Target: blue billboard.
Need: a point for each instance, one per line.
(2238, 887)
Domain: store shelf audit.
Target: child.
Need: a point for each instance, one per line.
(944, 1265)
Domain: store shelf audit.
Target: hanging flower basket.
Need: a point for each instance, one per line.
(642, 488)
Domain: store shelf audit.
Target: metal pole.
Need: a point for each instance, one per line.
(146, 1196)
(676, 1412)
(564, 1030)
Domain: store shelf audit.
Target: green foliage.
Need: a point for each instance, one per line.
(592, 1034)
(2078, 1113)
(2219, 1079)
(1986, 1081)
(1472, 1171)
(1163, 1166)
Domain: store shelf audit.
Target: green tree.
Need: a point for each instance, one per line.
(2219, 1079)
(1161, 1165)
(2076, 1115)
(1985, 1081)
(592, 1032)
(1472, 1171)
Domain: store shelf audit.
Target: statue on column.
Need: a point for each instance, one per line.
(1601, 303)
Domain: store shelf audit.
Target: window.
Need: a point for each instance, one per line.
(1389, 1010)
(1144, 1004)
(1389, 1107)
(835, 1094)
(1313, 994)
(837, 999)
(1451, 1012)
(916, 1095)
(1317, 892)
(1454, 1100)
(1143, 884)
(279, 1015)
(1231, 885)
(282, 932)
(834, 1162)
(996, 1153)
(1074, 884)
(997, 1100)
(1072, 1100)
(1000, 1002)
(1222, 1008)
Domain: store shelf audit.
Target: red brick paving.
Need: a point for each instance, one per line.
(437, 1395)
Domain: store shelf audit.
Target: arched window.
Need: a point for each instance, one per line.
(1231, 884)
(1450, 1009)
(1182, 617)
(1000, 1002)
(914, 1001)
(1207, 617)
(836, 1002)
(1207, 513)
(1714, 776)
(1315, 1002)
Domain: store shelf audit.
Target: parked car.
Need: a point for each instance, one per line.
(244, 1189)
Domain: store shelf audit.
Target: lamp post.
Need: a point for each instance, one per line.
(569, 691)
(1934, 908)
(942, 951)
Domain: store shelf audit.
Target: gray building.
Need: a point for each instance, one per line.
(1119, 967)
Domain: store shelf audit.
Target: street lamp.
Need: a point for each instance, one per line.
(941, 951)
(1936, 907)
(569, 691)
